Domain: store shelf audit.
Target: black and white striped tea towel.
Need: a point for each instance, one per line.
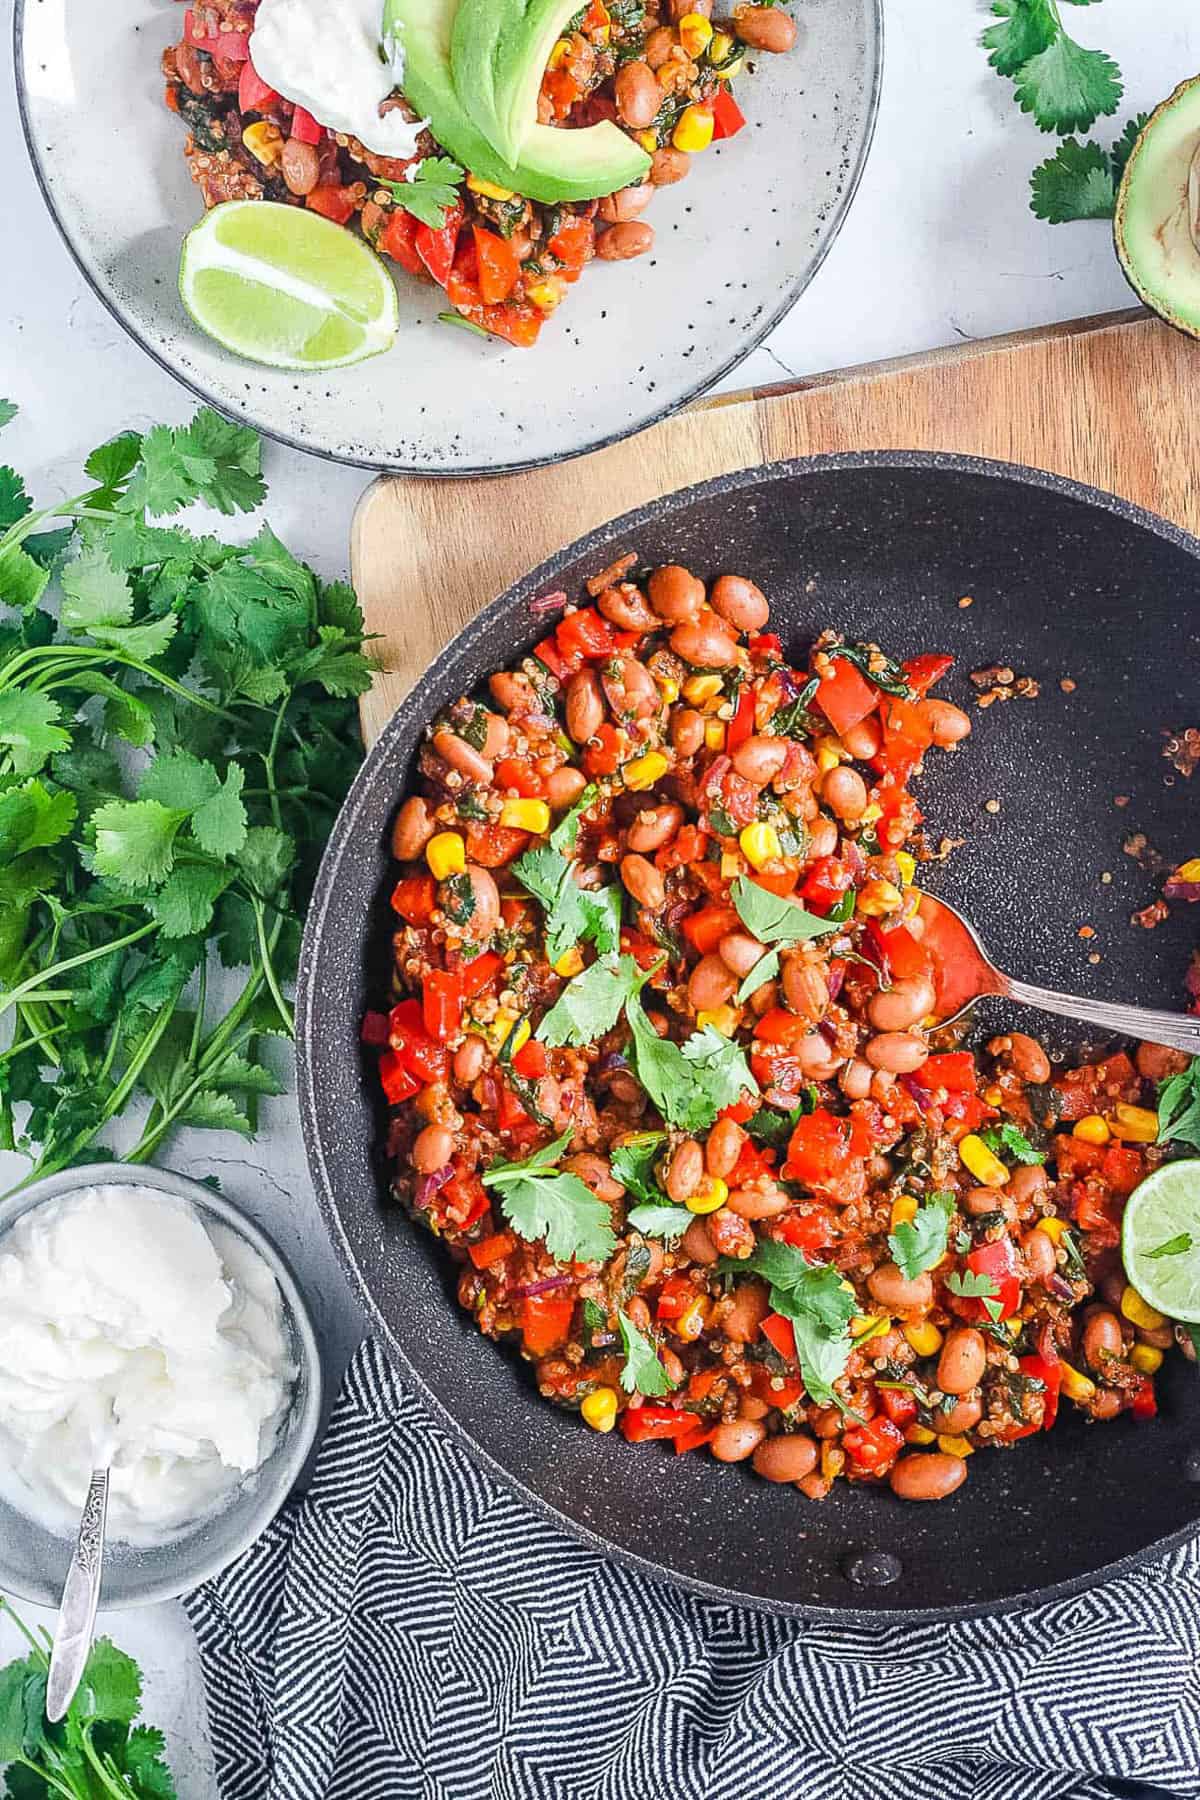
(409, 1631)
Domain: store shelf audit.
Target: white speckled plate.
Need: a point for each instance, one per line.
(737, 242)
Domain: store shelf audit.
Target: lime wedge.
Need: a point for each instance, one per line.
(1160, 1239)
(281, 285)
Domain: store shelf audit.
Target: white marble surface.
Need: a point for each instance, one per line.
(940, 246)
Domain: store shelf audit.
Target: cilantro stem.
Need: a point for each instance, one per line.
(268, 969)
(51, 1781)
(22, 1627)
(33, 982)
(89, 1750)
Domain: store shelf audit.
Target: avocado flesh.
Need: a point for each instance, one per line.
(1155, 212)
(553, 165)
(497, 56)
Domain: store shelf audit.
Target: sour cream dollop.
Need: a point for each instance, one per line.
(326, 55)
(134, 1333)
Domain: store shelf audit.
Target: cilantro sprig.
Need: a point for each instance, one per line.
(819, 1304)
(971, 1285)
(176, 733)
(97, 1751)
(429, 189)
(574, 915)
(920, 1243)
(689, 1083)
(643, 1373)
(1007, 1139)
(590, 1004)
(1179, 1107)
(543, 1202)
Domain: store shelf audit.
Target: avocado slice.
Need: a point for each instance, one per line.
(553, 165)
(1157, 222)
(497, 55)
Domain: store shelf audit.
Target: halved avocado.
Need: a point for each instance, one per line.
(553, 165)
(498, 54)
(1157, 222)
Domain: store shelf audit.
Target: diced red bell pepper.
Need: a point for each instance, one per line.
(741, 726)
(810, 1232)
(921, 672)
(415, 899)
(954, 1071)
(549, 653)
(782, 1391)
(418, 1051)
(561, 90)
(873, 1446)
(700, 1433)
(333, 202)
(398, 239)
(511, 1116)
(441, 1003)
(999, 1262)
(739, 1112)
(374, 1029)
(493, 845)
(899, 1405)
(1096, 1086)
(675, 1297)
(780, 1334)
(728, 117)
(907, 734)
(899, 814)
(705, 929)
(436, 248)
(514, 320)
(254, 94)
(900, 956)
(1144, 1405)
(1123, 1168)
(305, 127)
(499, 266)
(844, 696)
(573, 244)
(546, 1321)
(398, 1082)
(584, 634)
(643, 952)
(767, 643)
(1049, 1373)
(639, 1424)
(232, 46)
(531, 1060)
(827, 1153)
(462, 1201)
(825, 883)
(492, 1249)
(520, 773)
(607, 751)
(1098, 1213)
(477, 975)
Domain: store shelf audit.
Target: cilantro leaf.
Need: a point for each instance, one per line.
(144, 1757)
(643, 1373)
(1026, 28)
(29, 729)
(1066, 87)
(1122, 150)
(541, 1202)
(429, 190)
(135, 841)
(920, 1244)
(8, 412)
(590, 1004)
(566, 833)
(179, 780)
(573, 915)
(764, 970)
(691, 1083)
(818, 1303)
(212, 459)
(1176, 1246)
(969, 1285)
(111, 1688)
(94, 592)
(1179, 1107)
(184, 904)
(219, 823)
(111, 466)
(1075, 183)
(664, 1221)
(773, 920)
(1009, 1140)
(633, 1164)
(31, 818)
(212, 1110)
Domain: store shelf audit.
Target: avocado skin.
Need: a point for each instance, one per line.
(1150, 222)
(554, 165)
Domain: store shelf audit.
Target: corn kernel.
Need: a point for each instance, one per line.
(699, 688)
(924, 1337)
(993, 1095)
(446, 854)
(879, 898)
(833, 1461)
(694, 130)
(1138, 1313)
(488, 189)
(722, 1018)
(516, 1039)
(871, 814)
(648, 140)
(920, 1434)
(264, 142)
(569, 963)
(709, 1197)
(1092, 1130)
(599, 1409)
(862, 1330)
(978, 1159)
(525, 815)
(904, 1210)
(1133, 1124)
(548, 294)
(1054, 1229)
(719, 51)
(645, 770)
(1189, 871)
(559, 54)
(692, 1320)
(955, 1446)
(907, 865)
(1074, 1385)
(760, 845)
(695, 34)
(1146, 1359)
(733, 863)
(829, 754)
(714, 734)
(667, 688)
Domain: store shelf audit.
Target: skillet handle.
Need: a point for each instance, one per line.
(1181, 1031)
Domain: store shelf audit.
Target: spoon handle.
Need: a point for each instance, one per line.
(1180, 1030)
(80, 1598)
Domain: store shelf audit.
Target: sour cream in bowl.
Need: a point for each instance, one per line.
(147, 1325)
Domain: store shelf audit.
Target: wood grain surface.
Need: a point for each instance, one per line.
(1108, 401)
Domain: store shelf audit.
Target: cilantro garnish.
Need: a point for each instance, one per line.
(430, 190)
(819, 1304)
(689, 1083)
(920, 1243)
(542, 1202)
(591, 1002)
(1008, 1140)
(663, 1221)
(1176, 1246)
(764, 970)
(574, 915)
(773, 920)
(566, 833)
(633, 1163)
(969, 1285)
(1179, 1107)
(643, 1373)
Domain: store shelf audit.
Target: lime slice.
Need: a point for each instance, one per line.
(1160, 1239)
(281, 285)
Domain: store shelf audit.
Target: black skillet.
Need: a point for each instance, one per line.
(1066, 583)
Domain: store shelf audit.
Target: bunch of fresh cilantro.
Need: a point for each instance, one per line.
(97, 1752)
(176, 733)
(1066, 88)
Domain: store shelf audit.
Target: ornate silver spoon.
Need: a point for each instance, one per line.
(80, 1598)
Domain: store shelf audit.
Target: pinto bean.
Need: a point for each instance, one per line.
(1161, 1336)
(486, 916)
(696, 1244)
(626, 608)
(724, 1147)
(468, 1060)
(896, 1292)
(1024, 1055)
(749, 1305)
(1028, 1183)
(816, 1058)
(300, 166)
(1037, 1248)
(1157, 1062)
(758, 1203)
(788, 1457)
(949, 724)
(462, 756)
(497, 736)
(432, 1149)
(675, 593)
(1102, 1338)
(512, 692)
(740, 952)
(596, 1173)
(759, 759)
(412, 830)
(628, 239)
(751, 1407)
(710, 984)
(564, 786)
(654, 827)
(685, 1171)
(896, 1052)
(687, 730)
(704, 643)
(980, 1200)
(739, 602)
(764, 28)
(637, 94)
(627, 202)
(905, 1003)
(658, 46)
(855, 1079)
(644, 882)
(806, 988)
(667, 166)
(927, 1475)
(736, 1440)
(962, 1361)
(585, 705)
(863, 740)
(823, 839)
(844, 791)
(964, 1415)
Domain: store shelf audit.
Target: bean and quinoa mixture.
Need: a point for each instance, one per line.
(664, 1077)
(660, 69)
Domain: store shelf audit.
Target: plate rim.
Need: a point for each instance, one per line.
(341, 839)
(393, 465)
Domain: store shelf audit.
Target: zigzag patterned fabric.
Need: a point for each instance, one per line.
(410, 1631)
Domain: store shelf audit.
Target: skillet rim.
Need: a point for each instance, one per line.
(341, 839)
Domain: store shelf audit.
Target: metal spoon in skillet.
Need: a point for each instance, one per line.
(965, 973)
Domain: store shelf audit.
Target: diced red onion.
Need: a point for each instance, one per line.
(612, 1059)
(828, 1030)
(549, 603)
(837, 975)
(779, 1100)
(922, 1095)
(546, 1286)
(1181, 890)
(718, 769)
(853, 857)
(431, 1185)
(1061, 1289)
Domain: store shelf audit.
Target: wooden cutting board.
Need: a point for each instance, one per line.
(1109, 400)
